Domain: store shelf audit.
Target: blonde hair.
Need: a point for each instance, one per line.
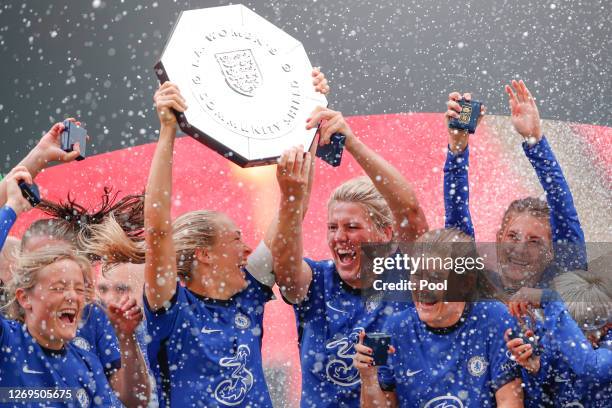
(109, 242)
(26, 274)
(191, 230)
(473, 284)
(587, 295)
(362, 191)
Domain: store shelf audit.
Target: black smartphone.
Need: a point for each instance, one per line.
(71, 135)
(332, 153)
(30, 192)
(379, 343)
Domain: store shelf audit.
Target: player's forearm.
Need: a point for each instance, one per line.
(287, 251)
(158, 195)
(457, 141)
(132, 380)
(372, 396)
(573, 345)
(564, 218)
(398, 193)
(510, 395)
(457, 193)
(35, 161)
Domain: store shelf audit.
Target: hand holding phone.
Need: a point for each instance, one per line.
(71, 135)
(379, 343)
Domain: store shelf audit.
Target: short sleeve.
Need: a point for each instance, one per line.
(107, 345)
(7, 219)
(160, 323)
(313, 302)
(3, 328)
(259, 291)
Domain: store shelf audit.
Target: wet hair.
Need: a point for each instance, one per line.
(362, 191)
(73, 223)
(30, 264)
(587, 296)
(190, 231)
(534, 206)
(472, 284)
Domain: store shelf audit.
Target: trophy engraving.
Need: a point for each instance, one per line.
(240, 70)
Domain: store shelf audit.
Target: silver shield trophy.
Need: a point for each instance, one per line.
(247, 83)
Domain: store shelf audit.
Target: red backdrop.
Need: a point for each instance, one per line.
(415, 143)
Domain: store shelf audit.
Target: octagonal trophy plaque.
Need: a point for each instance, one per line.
(247, 83)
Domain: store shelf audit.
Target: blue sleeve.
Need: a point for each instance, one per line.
(312, 305)
(7, 219)
(2, 328)
(161, 323)
(386, 374)
(564, 222)
(573, 346)
(262, 292)
(457, 192)
(503, 368)
(107, 345)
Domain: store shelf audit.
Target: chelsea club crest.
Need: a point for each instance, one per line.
(81, 343)
(477, 366)
(242, 321)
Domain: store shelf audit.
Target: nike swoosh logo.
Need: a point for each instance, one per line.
(411, 373)
(28, 371)
(209, 331)
(333, 308)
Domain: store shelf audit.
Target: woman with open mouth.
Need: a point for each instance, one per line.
(47, 297)
(449, 350)
(121, 361)
(205, 289)
(70, 225)
(537, 240)
(326, 295)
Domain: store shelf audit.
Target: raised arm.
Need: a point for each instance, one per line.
(284, 235)
(46, 151)
(15, 203)
(564, 222)
(409, 219)
(160, 258)
(456, 185)
(292, 274)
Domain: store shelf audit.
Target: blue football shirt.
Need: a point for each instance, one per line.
(329, 321)
(26, 364)
(460, 366)
(206, 352)
(96, 335)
